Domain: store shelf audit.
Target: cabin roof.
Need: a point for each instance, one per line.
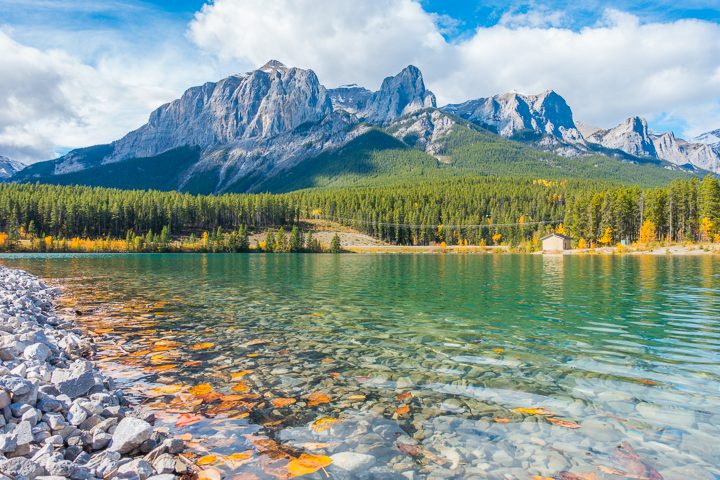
(564, 237)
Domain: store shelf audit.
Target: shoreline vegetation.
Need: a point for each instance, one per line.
(481, 214)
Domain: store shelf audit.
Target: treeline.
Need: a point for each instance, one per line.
(486, 210)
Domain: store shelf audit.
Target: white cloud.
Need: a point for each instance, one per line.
(51, 100)
(617, 68)
(82, 86)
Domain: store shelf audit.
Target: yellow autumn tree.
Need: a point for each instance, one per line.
(707, 228)
(582, 244)
(496, 238)
(607, 237)
(560, 229)
(648, 232)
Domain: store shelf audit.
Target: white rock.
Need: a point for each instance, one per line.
(352, 461)
(129, 434)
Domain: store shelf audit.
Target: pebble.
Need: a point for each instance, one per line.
(57, 411)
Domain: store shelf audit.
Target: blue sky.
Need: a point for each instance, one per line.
(98, 67)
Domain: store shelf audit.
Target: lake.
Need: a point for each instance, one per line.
(414, 366)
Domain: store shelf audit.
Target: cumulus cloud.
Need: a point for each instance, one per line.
(51, 101)
(616, 68)
(81, 86)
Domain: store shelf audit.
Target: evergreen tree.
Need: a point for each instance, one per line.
(335, 244)
(296, 239)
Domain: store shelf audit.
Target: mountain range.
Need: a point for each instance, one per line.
(267, 129)
(9, 167)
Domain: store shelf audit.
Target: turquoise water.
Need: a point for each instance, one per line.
(622, 353)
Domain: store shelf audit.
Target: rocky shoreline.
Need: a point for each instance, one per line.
(61, 417)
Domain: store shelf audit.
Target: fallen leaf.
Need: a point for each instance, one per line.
(237, 375)
(334, 375)
(307, 463)
(402, 410)
(282, 402)
(252, 355)
(139, 353)
(240, 387)
(404, 396)
(201, 389)
(540, 477)
(501, 420)
(168, 389)
(533, 411)
(185, 437)
(257, 342)
(327, 360)
(356, 398)
(322, 424)
(644, 381)
(188, 419)
(409, 449)
(202, 346)
(207, 460)
(317, 398)
(563, 423)
(240, 456)
(498, 350)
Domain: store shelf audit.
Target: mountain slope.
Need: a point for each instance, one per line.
(378, 158)
(278, 128)
(9, 167)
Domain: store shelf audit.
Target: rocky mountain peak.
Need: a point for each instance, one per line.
(544, 115)
(272, 66)
(631, 136)
(399, 95)
(266, 102)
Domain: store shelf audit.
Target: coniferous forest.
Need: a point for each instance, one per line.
(475, 211)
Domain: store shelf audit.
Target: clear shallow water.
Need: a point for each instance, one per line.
(622, 353)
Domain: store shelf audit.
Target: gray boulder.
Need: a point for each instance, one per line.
(130, 434)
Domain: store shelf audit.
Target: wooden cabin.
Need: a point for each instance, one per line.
(555, 242)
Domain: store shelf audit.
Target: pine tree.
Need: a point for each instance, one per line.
(270, 241)
(296, 240)
(335, 246)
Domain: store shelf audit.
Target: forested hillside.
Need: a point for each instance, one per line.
(482, 210)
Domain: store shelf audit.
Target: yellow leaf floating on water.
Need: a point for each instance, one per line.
(563, 423)
(240, 456)
(540, 477)
(168, 389)
(201, 389)
(202, 346)
(307, 463)
(498, 350)
(139, 353)
(317, 398)
(533, 411)
(402, 410)
(237, 375)
(404, 396)
(207, 460)
(282, 402)
(322, 424)
(240, 387)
